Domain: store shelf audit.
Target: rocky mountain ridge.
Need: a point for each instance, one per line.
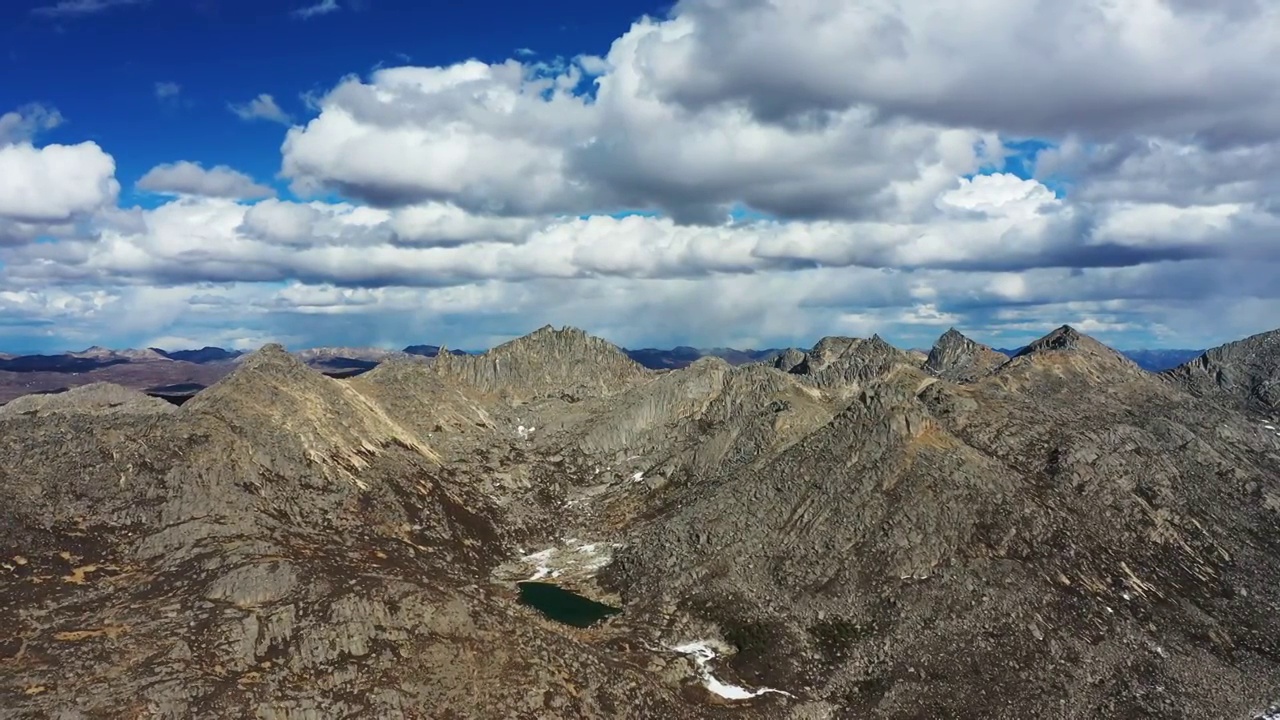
(850, 531)
(1245, 373)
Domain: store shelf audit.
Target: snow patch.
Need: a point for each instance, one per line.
(638, 477)
(524, 432)
(702, 654)
(574, 556)
(540, 559)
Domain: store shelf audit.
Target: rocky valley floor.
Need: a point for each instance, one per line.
(848, 532)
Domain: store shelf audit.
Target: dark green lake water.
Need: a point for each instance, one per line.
(562, 605)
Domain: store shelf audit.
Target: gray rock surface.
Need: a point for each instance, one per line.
(957, 358)
(1245, 373)
(103, 397)
(789, 359)
(280, 547)
(565, 363)
(1068, 537)
(1063, 536)
(845, 362)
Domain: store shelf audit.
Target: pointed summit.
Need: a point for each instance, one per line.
(958, 358)
(259, 378)
(285, 409)
(95, 352)
(272, 358)
(1067, 339)
(1064, 338)
(548, 362)
(788, 359)
(1069, 349)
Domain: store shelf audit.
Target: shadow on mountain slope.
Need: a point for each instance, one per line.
(871, 534)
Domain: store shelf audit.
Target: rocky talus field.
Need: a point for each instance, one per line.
(551, 530)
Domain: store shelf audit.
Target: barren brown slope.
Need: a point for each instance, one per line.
(1067, 538)
(565, 363)
(428, 403)
(845, 362)
(638, 449)
(279, 548)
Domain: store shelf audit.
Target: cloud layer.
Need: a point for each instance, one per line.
(759, 172)
(188, 178)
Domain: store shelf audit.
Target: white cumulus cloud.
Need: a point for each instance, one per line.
(189, 178)
(751, 171)
(54, 183)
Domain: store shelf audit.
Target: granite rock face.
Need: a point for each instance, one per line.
(280, 547)
(1067, 536)
(564, 363)
(1245, 373)
(1058, 535)
(957, 358)
(789, 359)
(844, 363)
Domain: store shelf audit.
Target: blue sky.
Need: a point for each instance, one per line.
(100, 68)
(384, 172)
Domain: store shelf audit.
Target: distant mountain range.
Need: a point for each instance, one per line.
(177, 374)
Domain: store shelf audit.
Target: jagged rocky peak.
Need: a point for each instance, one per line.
(1066, 352)
(1067, 339)
(847, 361)
(1244, 373)
(828, 349)
(634, 421)
(568, 342)
(286, 409)
(709, 364)
(548, 362)
(399, 365)
(952, 337)
(93, 352)
(1064, 338)
(823, 353)
(789, 358)
(272, 358)
(258, 378)
(958, 358)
